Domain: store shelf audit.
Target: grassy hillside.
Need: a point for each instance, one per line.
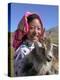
(10, 56)
(53, 34)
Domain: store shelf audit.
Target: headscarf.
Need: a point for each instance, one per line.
(22, 31)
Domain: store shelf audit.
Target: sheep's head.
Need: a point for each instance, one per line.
(48, 48)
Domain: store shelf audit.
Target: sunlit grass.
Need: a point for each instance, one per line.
(12, 62)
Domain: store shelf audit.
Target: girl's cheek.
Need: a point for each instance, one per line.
(39, 32)
(31, 31)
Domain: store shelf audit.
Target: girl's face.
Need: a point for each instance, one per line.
(35, 30)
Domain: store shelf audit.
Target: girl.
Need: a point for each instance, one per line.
(30, 30)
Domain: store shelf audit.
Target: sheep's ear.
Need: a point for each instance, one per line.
(43, 32)
(48, 43)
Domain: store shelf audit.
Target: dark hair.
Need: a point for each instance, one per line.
(34, 16)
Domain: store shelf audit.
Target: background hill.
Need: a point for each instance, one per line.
(53, 34)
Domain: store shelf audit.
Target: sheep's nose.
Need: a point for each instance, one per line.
(49, 58)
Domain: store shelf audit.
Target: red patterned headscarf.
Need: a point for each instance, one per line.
(22, 30)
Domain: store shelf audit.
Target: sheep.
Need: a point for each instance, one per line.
(39, 61)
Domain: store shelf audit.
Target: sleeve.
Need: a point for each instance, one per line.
(21, 52)
(20, 61)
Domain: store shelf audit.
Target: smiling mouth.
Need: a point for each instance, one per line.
(35, 37)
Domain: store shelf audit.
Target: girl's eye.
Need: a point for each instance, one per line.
(39, 28)
(32, 27)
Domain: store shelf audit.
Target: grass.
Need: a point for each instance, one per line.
(10, 62)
